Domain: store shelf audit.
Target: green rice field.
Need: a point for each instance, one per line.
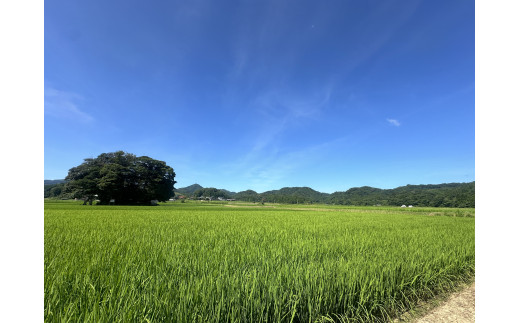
(211, 262)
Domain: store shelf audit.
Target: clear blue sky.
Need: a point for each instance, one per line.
(265, 94)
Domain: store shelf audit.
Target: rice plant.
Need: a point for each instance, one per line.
(212, 263)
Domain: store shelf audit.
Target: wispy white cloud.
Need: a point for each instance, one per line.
(61, 104)
(279, 103)
(394, 122)
(270, 161)
(279, 111)
(273, 169)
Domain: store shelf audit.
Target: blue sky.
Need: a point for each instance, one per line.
(265, 94)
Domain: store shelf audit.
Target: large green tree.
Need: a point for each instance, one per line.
(123, 177)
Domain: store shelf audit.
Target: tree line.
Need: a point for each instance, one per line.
(457, 195)
(442, 195)
(123, 178)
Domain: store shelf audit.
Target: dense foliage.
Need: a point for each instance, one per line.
(122, 177)
(248, 196)
(212, 193)
(294, 195)
(288, 195)
(54, 190)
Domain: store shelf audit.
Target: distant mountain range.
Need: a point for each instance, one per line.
(53, 181)
(436, 195)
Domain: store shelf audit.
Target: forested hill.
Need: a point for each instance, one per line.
(442, 195)
(53, 181)
(188, 190)
(54, 188)
(295, 195)
(283, 195)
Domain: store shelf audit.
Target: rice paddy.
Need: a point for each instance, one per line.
(208, 262)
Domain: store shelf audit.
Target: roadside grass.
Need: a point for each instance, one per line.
(205, 262)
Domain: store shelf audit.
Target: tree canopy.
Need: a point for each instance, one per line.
(211, 192)
(122, 177)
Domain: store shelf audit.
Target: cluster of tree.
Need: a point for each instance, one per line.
(248, 196)
(300, 194)
(120, 177)
(212, 193)
(196, 191)
(54, 189)
(288, 195)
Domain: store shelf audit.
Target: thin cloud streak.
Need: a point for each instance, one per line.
(281, 111)
(61, 104)
(394, 122)
(270, 171)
